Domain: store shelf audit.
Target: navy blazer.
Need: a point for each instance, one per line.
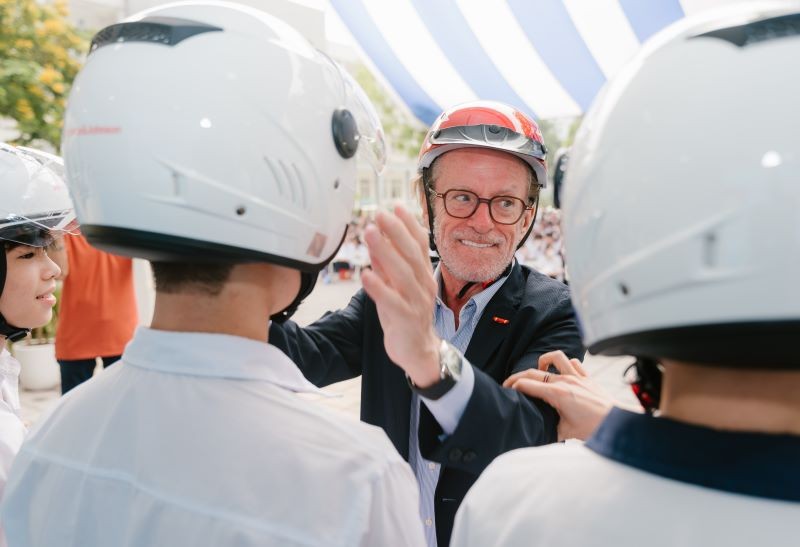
(349, 342)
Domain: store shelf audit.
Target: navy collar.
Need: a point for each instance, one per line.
(753, 464)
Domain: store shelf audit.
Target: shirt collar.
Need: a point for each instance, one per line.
(479, 300)
(215, 356)
(755, 464)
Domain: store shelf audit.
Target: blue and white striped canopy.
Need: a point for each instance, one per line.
(548, 57)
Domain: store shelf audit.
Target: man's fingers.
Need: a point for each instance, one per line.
(416, 230)
(536, 389)
(380, 292)
(578, 367)
(531, 373)
(559, 361)
(375, 264)
(393, 268)
(405, 270)
(402, 238)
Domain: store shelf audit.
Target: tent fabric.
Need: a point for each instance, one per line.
(548, 57)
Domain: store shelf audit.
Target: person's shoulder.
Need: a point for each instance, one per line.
(539, 281)
(543, 288)
(528, 487)
(338, 444)
(524, 472)
(539, 459)
(347, 437)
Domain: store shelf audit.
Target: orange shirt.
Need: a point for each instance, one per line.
(97, 314)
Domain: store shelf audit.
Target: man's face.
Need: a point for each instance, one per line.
(477, 249)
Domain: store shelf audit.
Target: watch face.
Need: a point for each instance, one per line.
(450, 359)
(450, 364)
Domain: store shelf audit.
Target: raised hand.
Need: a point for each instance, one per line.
(403, 288)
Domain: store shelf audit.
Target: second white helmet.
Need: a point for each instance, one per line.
(681, 203)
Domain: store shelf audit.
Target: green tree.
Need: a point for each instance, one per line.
(40, 54)
(403, 134)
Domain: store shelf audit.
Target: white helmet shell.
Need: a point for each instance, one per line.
(205, 132)
(35, 204)
(681, 205)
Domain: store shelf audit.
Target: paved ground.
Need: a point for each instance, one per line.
(608, 371)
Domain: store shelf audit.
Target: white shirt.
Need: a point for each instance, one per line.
(12, 430)
(200, 439)
(572, 495)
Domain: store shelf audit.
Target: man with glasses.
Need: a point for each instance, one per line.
(434, 348)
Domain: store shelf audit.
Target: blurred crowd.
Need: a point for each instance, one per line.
(543, 250)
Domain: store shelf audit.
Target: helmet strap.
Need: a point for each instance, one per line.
(646, 384)
(533, 221)
(427, 188)
(11, 332)
(307, 282)
(485, 284)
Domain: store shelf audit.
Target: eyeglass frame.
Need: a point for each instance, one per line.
(487, 201)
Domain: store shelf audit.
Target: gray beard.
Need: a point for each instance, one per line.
(470, 273)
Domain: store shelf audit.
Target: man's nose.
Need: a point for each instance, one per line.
(481, 219)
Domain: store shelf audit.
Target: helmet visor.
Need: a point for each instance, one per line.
(491, 136)
(36, 206)
(40, 232)
(371, 142)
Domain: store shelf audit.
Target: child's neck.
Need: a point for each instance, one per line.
(755, 399)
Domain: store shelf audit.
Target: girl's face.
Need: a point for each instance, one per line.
(27, 300)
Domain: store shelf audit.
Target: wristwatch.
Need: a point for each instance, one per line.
(450, 362)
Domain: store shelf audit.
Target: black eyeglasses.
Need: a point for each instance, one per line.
(502, 209)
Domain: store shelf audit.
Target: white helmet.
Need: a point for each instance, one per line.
(682, 206)
(34, 201)
(215, 132)
(34, 208)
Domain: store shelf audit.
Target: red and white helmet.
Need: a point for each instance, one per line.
(486, 124)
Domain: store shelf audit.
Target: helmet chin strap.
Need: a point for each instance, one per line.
(530, 228)
(484, 284)
(11, 332)
(646, 383)
(427, 188)
(307, 282)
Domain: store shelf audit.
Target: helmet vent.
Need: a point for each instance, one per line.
(177, 183)
(289, 182)
(301, 187)
(166, 31)
(759, 31)
(275, 176)
(710, 250)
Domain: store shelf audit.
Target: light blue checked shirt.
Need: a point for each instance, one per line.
(448, 409)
